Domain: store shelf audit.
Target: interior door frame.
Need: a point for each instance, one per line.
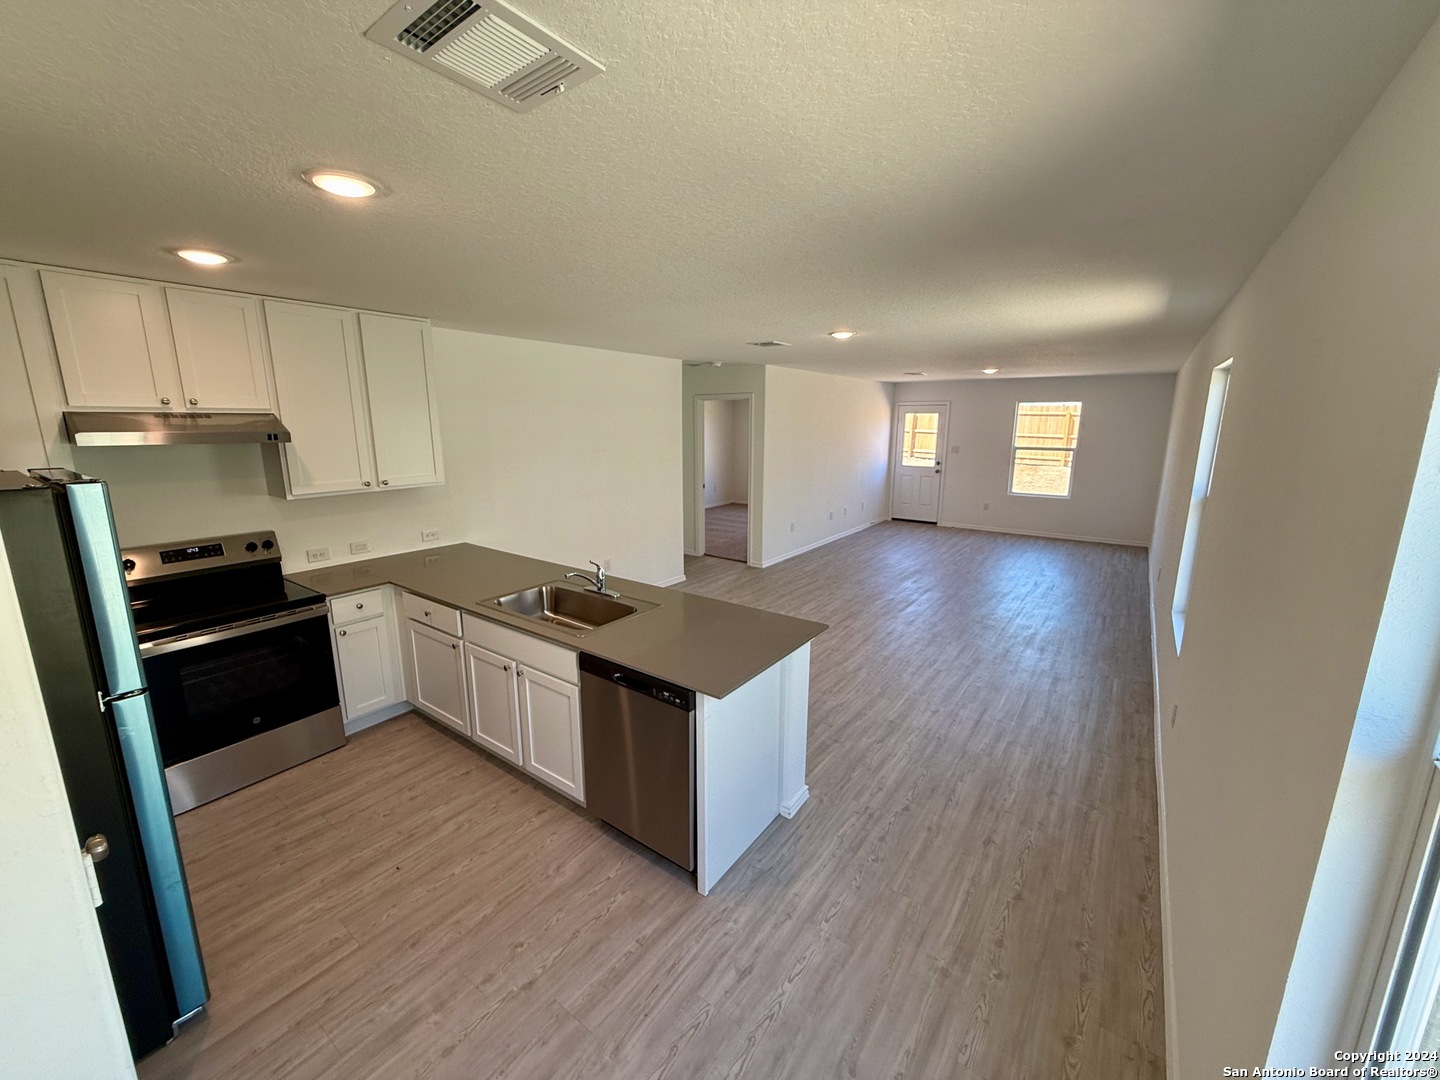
(896, 431)
(697, 499)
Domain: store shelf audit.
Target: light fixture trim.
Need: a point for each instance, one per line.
(203, 256)
(341, 184)
(842, 335)
(989, 370)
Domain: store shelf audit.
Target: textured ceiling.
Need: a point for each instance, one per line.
(1066, 186)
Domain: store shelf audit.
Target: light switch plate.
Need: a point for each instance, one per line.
(359, 547)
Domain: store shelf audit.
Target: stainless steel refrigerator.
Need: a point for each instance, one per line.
(60, 542)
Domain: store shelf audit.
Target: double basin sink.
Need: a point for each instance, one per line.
(568, 607)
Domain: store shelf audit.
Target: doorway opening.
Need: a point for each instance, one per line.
(723, 467)
(918, 460)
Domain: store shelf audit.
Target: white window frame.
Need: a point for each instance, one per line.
(1073, 451)
(1200, 489)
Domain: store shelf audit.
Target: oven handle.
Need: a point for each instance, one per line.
(249, 626)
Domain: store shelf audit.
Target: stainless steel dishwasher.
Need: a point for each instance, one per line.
(639, 739)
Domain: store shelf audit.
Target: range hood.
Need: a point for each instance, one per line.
(165, 428)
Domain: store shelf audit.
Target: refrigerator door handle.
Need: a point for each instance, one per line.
(106, 699)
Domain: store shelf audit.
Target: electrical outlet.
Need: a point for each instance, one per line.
(792, 526)
(320, 554)
(985, 506)
(1174, 711)
(847, 511)
(862, 506)
(429, 536)
(832, 515)
(359, 547)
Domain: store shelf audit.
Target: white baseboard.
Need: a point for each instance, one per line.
(791, 806)
(669, 581)
(818, 544)
(379, 716)
(1167, 938)
(1045, 535)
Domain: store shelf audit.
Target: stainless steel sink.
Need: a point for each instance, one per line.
(567, 607)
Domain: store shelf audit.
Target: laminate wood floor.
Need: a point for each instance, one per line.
(727, 531)
(970, 893)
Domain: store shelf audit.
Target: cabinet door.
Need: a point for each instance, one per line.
(439, 676)
(217, 345)
(363, 652)
(550, 726)
(404, 410)
(494, 702)
(113, 341)
(320, 398)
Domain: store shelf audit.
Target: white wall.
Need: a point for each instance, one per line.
(727, 451)
(1382, 788)
(555, 451)
(58, 1012)
(826, 465)
(1116, 479)
(1335, 344)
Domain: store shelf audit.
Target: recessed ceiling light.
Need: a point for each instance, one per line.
(842, 335)
(989, 370)
(346, 185)
(201, 257)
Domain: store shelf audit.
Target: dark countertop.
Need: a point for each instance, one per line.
(710, 646)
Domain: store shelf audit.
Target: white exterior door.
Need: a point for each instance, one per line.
(494, 703)
(919, 459)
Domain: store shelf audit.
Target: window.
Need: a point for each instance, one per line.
(1199, 493)
(1046, 434)
(918, 445)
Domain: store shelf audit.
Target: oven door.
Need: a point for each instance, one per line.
(211, 691)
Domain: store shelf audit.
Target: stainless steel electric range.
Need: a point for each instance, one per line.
(238, 662)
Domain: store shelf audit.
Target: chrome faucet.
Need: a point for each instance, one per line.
(597, 583)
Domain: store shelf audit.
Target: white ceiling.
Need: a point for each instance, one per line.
(1060, 186)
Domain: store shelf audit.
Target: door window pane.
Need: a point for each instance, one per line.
(918, 445)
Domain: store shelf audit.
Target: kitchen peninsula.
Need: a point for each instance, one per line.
(510, 682)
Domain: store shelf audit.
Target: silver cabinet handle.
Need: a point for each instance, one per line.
(359, 607)
(507, 667)
(384, 483)
(367, 483)
(97, 847)
(520, 671)
(427, 614)
(194, 401)
(164, 401)
(454, 646)
(339, 633)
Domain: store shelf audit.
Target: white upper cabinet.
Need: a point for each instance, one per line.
(404, 408)
(321, 399)
(113, 341)
(218, 344)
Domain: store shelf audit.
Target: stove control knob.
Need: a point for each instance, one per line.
(267, 544)
(129, 565)
(252, 547)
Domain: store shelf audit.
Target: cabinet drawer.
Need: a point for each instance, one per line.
(359, 605)
(525, 650)
(442, 618)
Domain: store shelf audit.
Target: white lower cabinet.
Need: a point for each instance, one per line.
(550, 731)
(494, 703)
(439, 668)
(362, 649)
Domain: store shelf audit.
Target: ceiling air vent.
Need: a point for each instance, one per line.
(489, 47)
(771, 344)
